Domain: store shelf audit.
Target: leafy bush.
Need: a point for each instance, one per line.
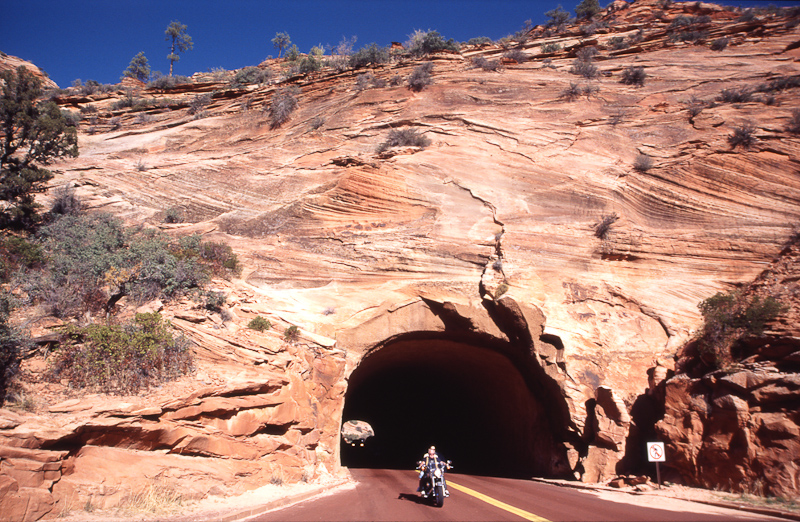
(586, 54)
(89, 252)
(164, 83)
(121, 359)
(12, 342)
(727, 318)
(633, 76)
(199, 103)
(214, 301)
(309, 64)
(618, 42)
(585, 69)
(423, 43)
(688, 36)
(480, 40)
(284, 102)
(173, 215)
(587, 9)
(250, 75)
(420, 77)
(19, 253)
(404, 138)
(552, 47)
(220, 258)
(259, 324)
(556, 18)
(291, 333)
(743, 136)
(685, 22)
(372, 54)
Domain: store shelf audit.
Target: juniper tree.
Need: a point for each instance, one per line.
(32, 134)
(138, 68)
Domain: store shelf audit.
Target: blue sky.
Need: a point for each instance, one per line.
(96, 39)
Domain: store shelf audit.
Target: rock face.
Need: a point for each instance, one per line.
(481, 251)
(741, 425)
(11, 63)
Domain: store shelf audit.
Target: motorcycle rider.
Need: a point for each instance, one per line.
(431, 459)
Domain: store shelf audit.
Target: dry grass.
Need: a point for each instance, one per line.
(156, 497)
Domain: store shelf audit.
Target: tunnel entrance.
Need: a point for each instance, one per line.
(468, 399)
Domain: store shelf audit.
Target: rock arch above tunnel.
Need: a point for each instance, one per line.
(467, 378)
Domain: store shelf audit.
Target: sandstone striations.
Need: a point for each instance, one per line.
(486, 245)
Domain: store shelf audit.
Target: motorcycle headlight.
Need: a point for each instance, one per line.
(437, 473)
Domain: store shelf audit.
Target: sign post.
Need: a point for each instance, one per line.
(655, 453)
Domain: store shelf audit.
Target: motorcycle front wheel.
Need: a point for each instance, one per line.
(438, 496)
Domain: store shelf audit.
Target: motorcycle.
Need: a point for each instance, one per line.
(433, 485)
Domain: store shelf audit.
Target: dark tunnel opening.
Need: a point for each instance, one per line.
(468, 400)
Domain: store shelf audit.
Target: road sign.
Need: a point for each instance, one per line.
(655, 452)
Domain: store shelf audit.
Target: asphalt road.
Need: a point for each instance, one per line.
(390, 495)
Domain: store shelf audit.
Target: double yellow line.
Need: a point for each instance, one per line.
(502, 505)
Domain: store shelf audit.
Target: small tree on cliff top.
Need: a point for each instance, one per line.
(31, 134)
(180, 42)
(138, 68)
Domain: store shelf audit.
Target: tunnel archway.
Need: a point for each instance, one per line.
(482, 407)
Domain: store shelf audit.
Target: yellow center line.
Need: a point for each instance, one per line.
(502, 505)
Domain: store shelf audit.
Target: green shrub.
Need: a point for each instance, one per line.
(587, 9)
(291, 333)
(404, 138)
(551, 48)
(214, 301)
(618, 42)
(372, 54)
(259, 324)
(423, 43)
(420, 77)
(557, 17)
(18, 253)
(164, 83)
(480, 40)
(121, 359)
(250, 75)
(89, 252)
(729, 317)
(199, 103)
(586, 69)
(309, 64)
(13, 342)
